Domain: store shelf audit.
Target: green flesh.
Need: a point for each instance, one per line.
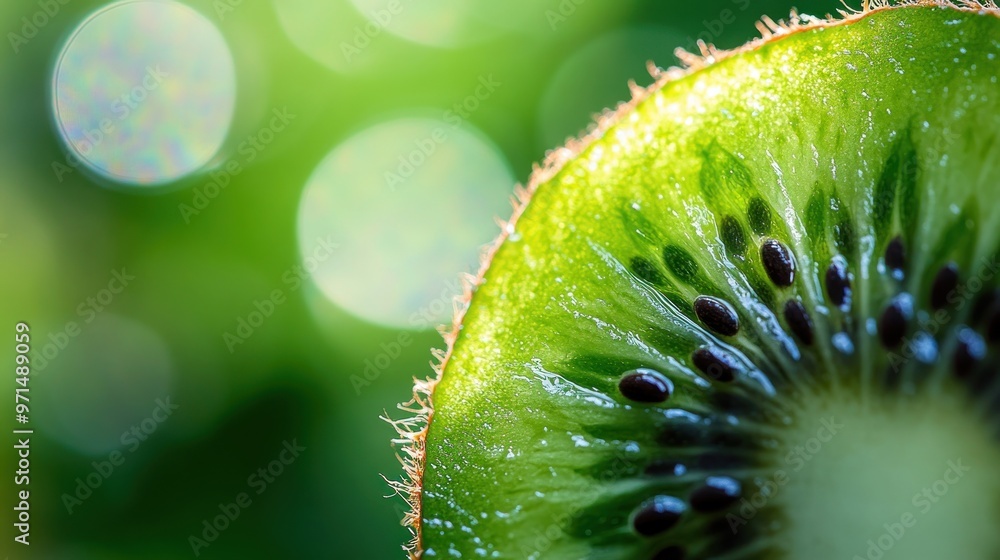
(831, 141)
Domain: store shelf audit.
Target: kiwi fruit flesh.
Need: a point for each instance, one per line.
(754, 314)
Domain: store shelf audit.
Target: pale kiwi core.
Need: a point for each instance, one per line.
(914, 479)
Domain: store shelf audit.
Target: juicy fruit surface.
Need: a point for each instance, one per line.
(751, 320)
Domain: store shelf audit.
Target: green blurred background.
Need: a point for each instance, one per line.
(264, 240)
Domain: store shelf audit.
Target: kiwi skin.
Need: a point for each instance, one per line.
(413, 430)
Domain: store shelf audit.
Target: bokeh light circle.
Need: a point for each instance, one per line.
(439, 186)
(98, 379)
(144, 91)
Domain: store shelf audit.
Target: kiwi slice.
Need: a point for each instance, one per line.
(754, 314)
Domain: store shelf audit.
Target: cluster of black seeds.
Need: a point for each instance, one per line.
(718, 315)
(705, 461)
(712, 450)
(720, 448)
(897, 319)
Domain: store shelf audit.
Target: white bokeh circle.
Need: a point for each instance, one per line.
(408, 205)
(144, 92)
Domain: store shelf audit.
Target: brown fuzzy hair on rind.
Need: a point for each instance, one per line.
(412, 430)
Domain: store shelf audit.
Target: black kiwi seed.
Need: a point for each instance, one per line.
(778, 262)
(895, 255)
(892, 324)
(715, 365)
(717, 315)
(718, 493)
(658, 515)
(759, 216)
(944, 283)
(645, 385)
(680, 263)
(970, 351)
(799, 321)
(733, 237)
(838, 286)
(670, 553)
